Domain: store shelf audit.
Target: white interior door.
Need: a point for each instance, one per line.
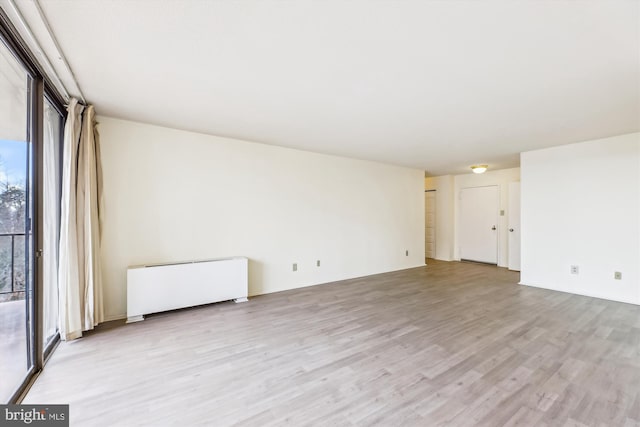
(430, 224)
(478, 238)
(514, 226)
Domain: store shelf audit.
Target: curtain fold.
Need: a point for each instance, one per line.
(80, 280)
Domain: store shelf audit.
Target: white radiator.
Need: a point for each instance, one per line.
(161, 287)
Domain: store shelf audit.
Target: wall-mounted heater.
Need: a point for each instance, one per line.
(160, 287)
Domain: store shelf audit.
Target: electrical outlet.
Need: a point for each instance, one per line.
(406, 253)
(318, 263)
(617, 275)
(574, 269)
(295, 266)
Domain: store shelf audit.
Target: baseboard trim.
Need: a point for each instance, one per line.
(306, 285)
(584, 294)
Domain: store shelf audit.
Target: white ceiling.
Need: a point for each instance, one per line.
(436, 85)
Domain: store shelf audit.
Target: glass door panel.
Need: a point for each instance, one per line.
(16, 329)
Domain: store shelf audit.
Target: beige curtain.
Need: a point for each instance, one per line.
(13, 102)
(81, 306)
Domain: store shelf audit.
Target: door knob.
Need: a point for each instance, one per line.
(493, 228)
(511, 230)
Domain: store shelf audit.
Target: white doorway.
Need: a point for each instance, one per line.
(430, 223)
(514, 226)
(478, 238)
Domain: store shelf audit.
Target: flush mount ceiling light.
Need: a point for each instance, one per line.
(479, 168)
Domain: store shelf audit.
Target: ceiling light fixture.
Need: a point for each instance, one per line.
(479, 168)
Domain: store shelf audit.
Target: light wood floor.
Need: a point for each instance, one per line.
(13, 347)
(447, 344)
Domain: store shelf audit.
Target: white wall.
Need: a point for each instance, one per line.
(444, 214)
(501, 178)
(172, 195)
(581, 206)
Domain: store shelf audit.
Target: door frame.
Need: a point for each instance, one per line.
(511, 185)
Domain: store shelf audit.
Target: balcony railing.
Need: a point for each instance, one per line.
(12, 263)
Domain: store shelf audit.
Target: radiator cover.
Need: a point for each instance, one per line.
(154, 288)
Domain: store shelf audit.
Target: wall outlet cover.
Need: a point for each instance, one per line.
(575, 269)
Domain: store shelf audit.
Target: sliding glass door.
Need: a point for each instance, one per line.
(31, 124)
(16, 240)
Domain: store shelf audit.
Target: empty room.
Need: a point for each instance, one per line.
(323, 213)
